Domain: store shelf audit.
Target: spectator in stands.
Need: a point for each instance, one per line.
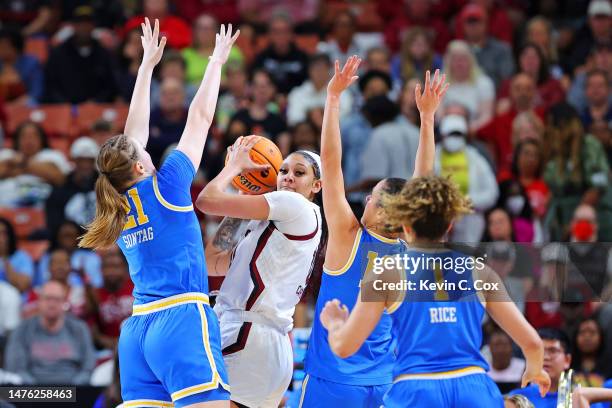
(75, 200)
(599, 59)
(70, 76)
(505, 368)
(557, 359)
(101, 131)
(10, 304)
(59, 270)
(532, 62)
(168, 120)
(527, 168)
(129, 54)
(196, 56)
(312, 93)
(172, 66)
(356, 132)
(235, 97)
(391, 149)
(596, 31)
(603, 132)
(588, 358)
(597, 92)
(470, 86)
(513, 198)
(498, 132)
(285, 62)
(32, 17)
(53, 348)
(113, 301)
(591, 260)
(175, 29)
(539, 31)
(21, 76)
(416, 56)
(66, 239)
(577, 170)
(30, 169)
(493, 56)
(499, 23)
(341, 42)
(261, 12)
(527, 126)
(16, 266)
(407, 103)
(262, 114)
(378, 58)
(221, 10)
(305, 136)
(470, 171)
(417, 13)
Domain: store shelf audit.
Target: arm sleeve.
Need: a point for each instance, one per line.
(175, 177)
(291, 212)
(16, 355)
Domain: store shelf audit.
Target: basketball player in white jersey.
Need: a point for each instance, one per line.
(266, 270)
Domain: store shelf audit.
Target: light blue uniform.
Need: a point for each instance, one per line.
(170, 349)
(362, 379)
(439, 335)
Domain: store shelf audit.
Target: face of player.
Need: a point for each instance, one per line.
(373, 212)
(144, 159)
(297, 174)
(555, 359)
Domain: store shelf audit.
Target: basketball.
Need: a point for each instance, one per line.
(260, 181)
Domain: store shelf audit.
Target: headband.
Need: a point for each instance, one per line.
(316, 158)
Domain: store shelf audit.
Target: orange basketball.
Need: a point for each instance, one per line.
(259, 182)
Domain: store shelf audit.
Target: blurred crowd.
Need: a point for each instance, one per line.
(524, 130)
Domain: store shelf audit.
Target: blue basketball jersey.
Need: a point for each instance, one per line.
(161, 239)
(438, 330)
(373, 363)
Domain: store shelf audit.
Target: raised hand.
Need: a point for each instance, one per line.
(429, 99)
(239, 155)
(153, 49)
(333, 314)
(223, 44)
(345, 78)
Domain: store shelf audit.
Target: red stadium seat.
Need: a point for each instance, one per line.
(89, 113)
(307, 42)
(37, 47)
(56, 120)
(24, 220)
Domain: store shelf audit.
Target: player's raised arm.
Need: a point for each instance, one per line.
(202, 108)
(340, 218)
(137, 124)
(428, 100)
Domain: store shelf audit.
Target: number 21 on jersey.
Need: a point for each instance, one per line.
(141, 218)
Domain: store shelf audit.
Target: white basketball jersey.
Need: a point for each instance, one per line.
(271, 263)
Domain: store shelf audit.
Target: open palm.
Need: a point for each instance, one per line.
(223, 44)
(153, 48)
(345, 78)
(433, 92)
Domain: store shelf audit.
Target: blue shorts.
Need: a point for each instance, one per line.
(320, 393)
(170, 354)
(473, 390)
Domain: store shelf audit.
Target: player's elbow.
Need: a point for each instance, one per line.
(342, 347)
(206, 200)
(533, 344)
(202, 117)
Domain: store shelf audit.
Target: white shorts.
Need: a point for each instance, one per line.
(259, 363)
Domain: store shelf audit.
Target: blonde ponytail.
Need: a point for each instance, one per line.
(115, 162)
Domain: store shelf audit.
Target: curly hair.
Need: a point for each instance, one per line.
(428, 205)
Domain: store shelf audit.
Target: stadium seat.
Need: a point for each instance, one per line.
(307, 42)
(89, 113)
(56, 120)
(24, 220)
(37, 47)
